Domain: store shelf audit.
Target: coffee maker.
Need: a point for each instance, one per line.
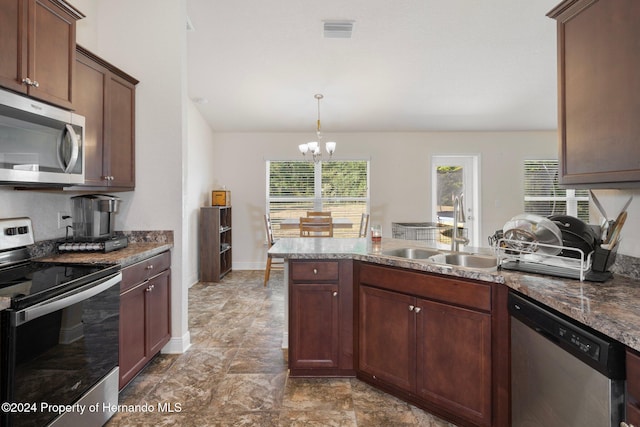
(94, 217)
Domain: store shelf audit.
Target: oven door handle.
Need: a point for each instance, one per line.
(63, 301)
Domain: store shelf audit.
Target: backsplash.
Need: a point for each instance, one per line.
(627, 266)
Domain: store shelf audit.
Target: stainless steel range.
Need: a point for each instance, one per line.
(59, 338)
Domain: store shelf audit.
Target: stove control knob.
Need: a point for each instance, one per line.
(11, 231)
(23, 230)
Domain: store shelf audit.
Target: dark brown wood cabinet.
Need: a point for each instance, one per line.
(215, 243)
(145, 307)
(321, 318)
(599, 83)
(633, 388)
(37, 49)
(105, 95)
(430, 340)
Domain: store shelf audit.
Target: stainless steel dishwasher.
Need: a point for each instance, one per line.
(563, 374)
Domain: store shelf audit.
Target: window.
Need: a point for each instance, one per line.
(295, 187)
(543, 196)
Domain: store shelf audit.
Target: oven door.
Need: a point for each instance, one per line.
(57, 351)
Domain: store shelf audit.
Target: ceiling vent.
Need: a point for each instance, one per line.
(338, 29)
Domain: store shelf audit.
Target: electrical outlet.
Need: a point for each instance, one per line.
(64, 219)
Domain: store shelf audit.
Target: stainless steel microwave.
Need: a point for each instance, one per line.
(39, 143)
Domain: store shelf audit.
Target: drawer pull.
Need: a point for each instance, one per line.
(150, 288)
(335, 294)
(623, 424)
(418, 310)
(315, 271)
(149, 267)
(411, 307)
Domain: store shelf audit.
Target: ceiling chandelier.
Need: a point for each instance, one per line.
(313, 147)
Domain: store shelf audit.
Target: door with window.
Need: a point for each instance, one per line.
(451, 177)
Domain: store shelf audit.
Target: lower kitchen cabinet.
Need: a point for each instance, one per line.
(145, 304)
(633, 389)
(320, 318)
(428, 339)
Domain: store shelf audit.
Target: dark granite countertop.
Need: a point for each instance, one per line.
(610, 307)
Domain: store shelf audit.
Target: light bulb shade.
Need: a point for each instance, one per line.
(331, 147)
(303, 148)
(316, 151)
(313, 146)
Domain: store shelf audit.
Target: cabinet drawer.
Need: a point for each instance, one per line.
(633, 376)
(439, 288)
(139, 272)
(314, 270)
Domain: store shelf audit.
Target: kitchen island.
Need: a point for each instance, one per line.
(609, 307)
(434, 335)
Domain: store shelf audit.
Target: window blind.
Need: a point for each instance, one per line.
(543, 196)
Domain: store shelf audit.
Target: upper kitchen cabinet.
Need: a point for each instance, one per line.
(105, 96)
(37, 48)
(599, 92)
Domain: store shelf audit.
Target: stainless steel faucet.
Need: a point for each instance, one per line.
(458, 216)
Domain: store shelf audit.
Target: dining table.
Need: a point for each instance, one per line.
(294, 223)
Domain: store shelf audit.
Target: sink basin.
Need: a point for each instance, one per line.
(411, 253)
(480, 262)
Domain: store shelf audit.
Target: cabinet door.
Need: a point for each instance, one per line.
(89, 102)
(454, 359)
(52, 50)
(119, 155)
(133, 355)
(13, 44)
(387, 336)
(599, 82)
(314, 318)
(158, 310)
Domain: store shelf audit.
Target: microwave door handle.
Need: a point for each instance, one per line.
(68, 165)
(23, 316)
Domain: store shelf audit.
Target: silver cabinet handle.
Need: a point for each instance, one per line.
(149, 267)
(150, 288)
(411, 307)
(29, 82)
(315, 271)
(418, 309)
(335, 294)
(623, 424)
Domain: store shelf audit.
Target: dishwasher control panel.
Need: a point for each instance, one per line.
(579, 341)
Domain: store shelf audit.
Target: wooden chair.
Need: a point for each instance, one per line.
(316, 227)
(364, 224)
(272, 263)
(318, 213)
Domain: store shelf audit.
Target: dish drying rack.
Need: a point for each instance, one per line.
(535, 257)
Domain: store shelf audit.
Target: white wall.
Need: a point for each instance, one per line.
(200, 181)
(147, 39)
(400, 175)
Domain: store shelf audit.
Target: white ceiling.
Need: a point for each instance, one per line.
(411, 65)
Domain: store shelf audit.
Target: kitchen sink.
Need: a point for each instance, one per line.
(480, 262)
(411, 253)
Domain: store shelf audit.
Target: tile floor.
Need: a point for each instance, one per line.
(235, 373)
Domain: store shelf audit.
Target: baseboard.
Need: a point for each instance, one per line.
(177, 345)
